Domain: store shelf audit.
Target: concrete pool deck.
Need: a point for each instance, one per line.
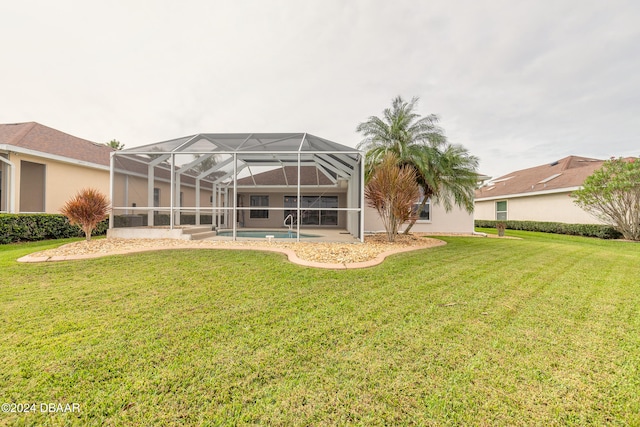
(204, 232)
(320, 235)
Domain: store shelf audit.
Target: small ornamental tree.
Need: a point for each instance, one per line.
(86, 209)
(392, 190)
(612, 194)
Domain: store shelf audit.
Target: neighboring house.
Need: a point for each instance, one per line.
(41, 167)
(540, 193)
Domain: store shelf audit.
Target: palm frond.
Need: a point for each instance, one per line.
(444, 171)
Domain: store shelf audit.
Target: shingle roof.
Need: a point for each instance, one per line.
(309, 175)
(37, 137)
(569, 172)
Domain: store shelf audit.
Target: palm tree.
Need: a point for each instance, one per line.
(402, 132)
(206, 164)
(115, 144)
(444, 172)
(449, 176)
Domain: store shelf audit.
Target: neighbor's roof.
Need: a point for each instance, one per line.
(35, 137)
(567, 173)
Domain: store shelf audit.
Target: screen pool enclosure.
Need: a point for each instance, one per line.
(240, 181)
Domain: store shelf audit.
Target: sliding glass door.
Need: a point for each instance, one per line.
(314, 210)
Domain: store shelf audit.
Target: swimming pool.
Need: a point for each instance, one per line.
(262, 234)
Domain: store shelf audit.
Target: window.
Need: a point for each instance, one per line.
(32, 186)
(314, 210)
(501, 210)
(156, 197)
(425, 215)
(259, 201)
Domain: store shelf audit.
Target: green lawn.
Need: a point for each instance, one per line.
(539, 331)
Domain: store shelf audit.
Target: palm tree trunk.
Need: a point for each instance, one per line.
(418, 212)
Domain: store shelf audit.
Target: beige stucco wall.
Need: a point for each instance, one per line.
(62, 180)
(558, 207)
(456, 221)
(484, 210)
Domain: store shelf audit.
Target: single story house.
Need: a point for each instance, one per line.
(41, 167)
(191, 180)
(271, 188)
(540, 193)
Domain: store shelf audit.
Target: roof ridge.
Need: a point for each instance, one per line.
(566, 163)
(22, 133)
(97, 144)
(572, 162)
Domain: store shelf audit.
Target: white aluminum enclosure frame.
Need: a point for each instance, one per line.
(178, 159)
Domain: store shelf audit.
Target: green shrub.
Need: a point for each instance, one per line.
(30, 227)
(586, 230)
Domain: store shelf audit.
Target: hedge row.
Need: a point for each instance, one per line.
(587, 230)
(30, 227)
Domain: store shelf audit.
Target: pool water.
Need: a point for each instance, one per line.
(262, 234)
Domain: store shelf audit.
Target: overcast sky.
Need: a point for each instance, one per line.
(518, 83)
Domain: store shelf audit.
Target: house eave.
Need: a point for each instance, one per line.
(19, 150)
(533, 193)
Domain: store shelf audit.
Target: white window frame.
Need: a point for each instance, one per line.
(427, 208)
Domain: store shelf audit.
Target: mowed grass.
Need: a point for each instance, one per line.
(539, 331)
